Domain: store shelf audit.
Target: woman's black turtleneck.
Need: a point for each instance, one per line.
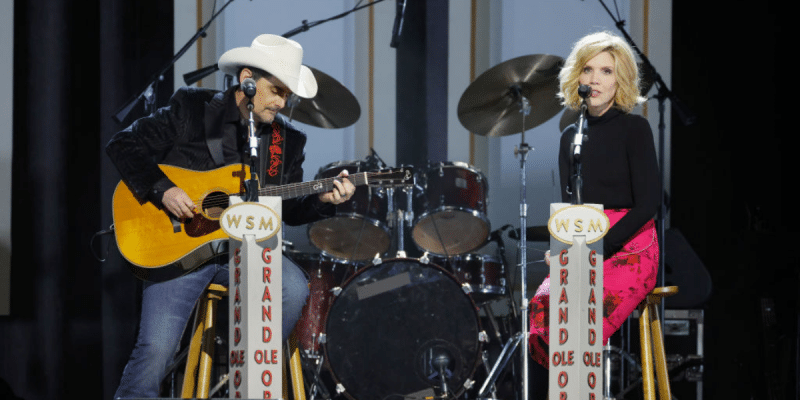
(620, 170)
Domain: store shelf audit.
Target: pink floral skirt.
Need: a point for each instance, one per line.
(628, 276)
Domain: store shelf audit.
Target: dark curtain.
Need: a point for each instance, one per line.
(73, 318)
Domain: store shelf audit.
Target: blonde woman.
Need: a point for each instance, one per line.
(619, 170)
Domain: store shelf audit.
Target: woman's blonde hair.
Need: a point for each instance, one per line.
(627, 72)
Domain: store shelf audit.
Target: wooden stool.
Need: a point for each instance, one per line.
(197, 378)
(652, 341)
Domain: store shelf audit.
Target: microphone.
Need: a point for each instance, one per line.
(584, 91)
(249, 87)
(397, 30)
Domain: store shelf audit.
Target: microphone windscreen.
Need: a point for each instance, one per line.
(249, 87)
(584, 91)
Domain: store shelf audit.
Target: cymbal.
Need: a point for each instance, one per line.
(491, 104)
(333, 107)
(568, 118)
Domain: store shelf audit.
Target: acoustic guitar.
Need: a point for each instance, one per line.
(160, 246)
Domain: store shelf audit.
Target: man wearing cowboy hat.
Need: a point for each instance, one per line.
(203, 129)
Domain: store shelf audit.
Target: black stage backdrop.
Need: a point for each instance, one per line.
(77, 62)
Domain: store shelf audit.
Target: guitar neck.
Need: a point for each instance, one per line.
(292, 190)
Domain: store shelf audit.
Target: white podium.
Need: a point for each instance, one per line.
(255, 364)
(576, 300)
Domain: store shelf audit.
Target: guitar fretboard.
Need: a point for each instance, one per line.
(292, 190)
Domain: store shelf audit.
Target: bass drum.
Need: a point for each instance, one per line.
(393, 323)
(324, 274)
(358, 231)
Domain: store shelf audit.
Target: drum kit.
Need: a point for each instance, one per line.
(380, 324)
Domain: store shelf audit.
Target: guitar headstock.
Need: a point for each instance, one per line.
(392, 177)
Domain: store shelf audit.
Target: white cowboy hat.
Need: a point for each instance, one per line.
(277, 55)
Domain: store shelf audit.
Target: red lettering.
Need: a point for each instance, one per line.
(266, 296)
(266, 313)
(563, 278)
(267, 394)
(237, 298)
(274, 356)
(562, 379)
(592, 336)
(266, 377)
(562, 396)
(592, 380)
(237, 256)
(267, 278)
(562, 315)
(266, 256)
(592, 316)
(237, 273)
(593, 258)
(237, 335)
(562, 257)
(563, 297)
(237, 314)
(266, 356)
(592, 276)
(592, 300)
(266, 334)
(557, 358)
(237, 378)
(563, 335)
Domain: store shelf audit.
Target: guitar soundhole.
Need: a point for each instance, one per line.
(207, 221)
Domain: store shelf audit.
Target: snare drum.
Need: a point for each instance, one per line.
(324, 274)
(358, 231)
(451, 214)
(391, 321)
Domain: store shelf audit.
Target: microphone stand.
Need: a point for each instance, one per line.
(251, 185)
(522, 151)
(148, 94)
(577, 144)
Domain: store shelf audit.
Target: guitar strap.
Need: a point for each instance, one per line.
(272, 155)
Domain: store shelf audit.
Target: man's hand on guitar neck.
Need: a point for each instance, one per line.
(342, 190)
(179, 203)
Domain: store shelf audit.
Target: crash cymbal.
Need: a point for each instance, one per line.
(568, 118)
(491, 104)
(333, 107)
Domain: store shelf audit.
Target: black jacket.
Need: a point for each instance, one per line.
(189, 133)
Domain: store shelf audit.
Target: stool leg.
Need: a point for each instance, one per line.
(206, 356)
(296, 368)
(648, 385)
(195, 346)
(658, 348)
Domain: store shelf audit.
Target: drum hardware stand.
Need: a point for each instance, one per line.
(314, 364)
(500, 364)
(522, 151)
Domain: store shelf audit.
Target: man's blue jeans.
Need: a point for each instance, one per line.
(166, 307)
